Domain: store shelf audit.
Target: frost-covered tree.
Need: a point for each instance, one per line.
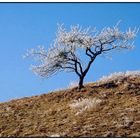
(65, 51)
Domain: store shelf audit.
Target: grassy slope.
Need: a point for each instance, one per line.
(50, 114)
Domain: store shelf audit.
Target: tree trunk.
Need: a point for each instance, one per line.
(84, 73)
(81, 82)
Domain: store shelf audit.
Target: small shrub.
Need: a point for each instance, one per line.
(55, 135)
(119, 76)
(73, 84)
(84, 104)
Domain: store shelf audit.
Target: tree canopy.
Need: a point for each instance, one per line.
(63, 54)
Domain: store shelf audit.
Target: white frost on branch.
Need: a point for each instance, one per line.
(63, 53)
(76, 37)
(51, 61)
(88, 37)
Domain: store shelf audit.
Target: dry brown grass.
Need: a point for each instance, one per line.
(50, 115)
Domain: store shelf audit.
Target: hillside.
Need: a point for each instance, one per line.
(107, 108)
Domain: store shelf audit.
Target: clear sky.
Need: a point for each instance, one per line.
(26, 25)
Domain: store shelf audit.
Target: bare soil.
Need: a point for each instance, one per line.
(50, 115)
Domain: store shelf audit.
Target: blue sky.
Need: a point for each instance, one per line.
(26, 25)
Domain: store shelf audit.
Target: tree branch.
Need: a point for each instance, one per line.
(38, 53)
(75, 60)
(88, 66)
(88, 53)
(91, 51)
(109, 49)
(67, 67)
(76, 70)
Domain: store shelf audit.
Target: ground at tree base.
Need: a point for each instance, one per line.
(110, 109)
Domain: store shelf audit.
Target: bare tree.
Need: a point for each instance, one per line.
(63, 55)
